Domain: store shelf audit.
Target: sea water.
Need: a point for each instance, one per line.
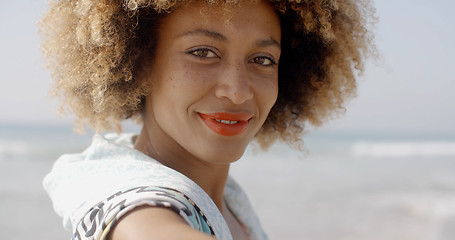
(341, 187)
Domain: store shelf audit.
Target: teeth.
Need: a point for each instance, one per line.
(226, 121)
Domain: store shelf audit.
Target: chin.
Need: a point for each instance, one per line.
(224, 154)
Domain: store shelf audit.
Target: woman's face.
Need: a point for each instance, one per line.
(214, 78)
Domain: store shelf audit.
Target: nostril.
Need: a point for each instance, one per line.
(234, 84)
(237, 92)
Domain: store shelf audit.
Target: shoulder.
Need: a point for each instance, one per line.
(157, 223)
(165, 204)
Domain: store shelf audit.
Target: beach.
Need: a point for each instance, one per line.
(342, 187)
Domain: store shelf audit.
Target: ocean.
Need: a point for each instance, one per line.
(343, 186)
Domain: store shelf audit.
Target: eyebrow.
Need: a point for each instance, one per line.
(205, 32)
(268, 42)
(220, 37)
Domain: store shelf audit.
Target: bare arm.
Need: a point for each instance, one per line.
(155, 223)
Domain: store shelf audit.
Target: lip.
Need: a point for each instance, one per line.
(226, 129)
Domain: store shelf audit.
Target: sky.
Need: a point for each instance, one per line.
(410, 88)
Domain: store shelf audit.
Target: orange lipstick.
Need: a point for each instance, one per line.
(226, 124)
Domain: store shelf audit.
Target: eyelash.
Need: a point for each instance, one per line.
(197, 53)
(208, 50)
(272, 61)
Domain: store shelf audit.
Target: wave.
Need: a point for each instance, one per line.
(403, 149)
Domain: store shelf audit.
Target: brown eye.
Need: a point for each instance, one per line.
(203, 53)
(264, 61)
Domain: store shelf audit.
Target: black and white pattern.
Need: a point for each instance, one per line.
(105, 214)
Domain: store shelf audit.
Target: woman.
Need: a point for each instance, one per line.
(205, 78)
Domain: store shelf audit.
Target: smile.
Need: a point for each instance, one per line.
(226, 124)
(226, 121)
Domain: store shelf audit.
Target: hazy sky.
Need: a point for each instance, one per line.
(411, 88)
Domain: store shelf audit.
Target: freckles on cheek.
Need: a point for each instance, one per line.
(193, 79)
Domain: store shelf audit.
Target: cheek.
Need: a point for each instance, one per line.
(268, 93)
(180, 89)
(191, 77)
(274, 92)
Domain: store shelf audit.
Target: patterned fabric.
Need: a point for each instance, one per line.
(98, 222)
(78, 182)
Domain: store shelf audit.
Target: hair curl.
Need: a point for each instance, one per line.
(96, 48)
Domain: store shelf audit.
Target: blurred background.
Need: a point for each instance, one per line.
(383, 170)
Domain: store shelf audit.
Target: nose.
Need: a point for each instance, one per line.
(234, 84)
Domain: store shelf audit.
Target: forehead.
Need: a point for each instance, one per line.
(241, 17)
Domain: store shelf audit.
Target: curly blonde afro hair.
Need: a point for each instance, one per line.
(96, 50)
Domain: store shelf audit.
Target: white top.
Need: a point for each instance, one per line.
(79, 181)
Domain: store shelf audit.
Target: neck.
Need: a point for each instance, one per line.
(210, 177)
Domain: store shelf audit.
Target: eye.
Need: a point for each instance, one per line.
(203, 53)
(263, 61)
